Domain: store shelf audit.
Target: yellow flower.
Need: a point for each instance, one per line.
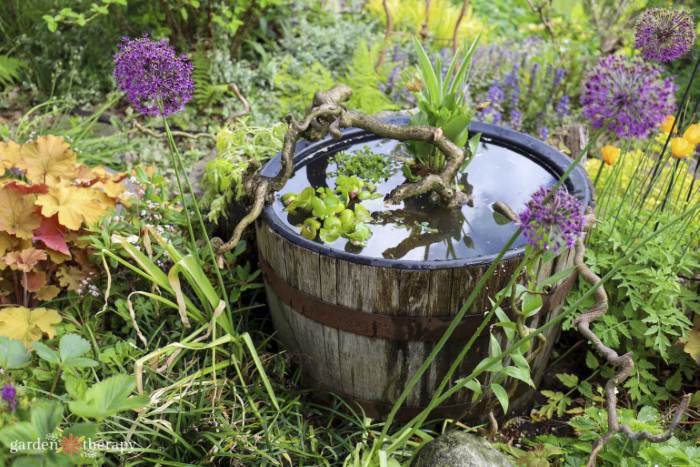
(692, 134)
(610, 154)
(667, 124)
(680, 147)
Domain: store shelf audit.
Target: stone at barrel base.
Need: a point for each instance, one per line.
(459, 449)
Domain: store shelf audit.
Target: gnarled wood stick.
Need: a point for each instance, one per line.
(623, 362)
(326, 115)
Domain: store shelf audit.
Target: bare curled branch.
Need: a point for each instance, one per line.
(149, 132)
(326, 115)
(231, 87)
(623, 362)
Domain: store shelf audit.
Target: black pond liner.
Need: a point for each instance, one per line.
(544, 155)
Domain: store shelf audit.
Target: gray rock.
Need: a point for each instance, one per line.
(458, 449)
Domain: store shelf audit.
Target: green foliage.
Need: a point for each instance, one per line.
(10, 69)
(362, 163)
(297, 88)
(13, 354)
(205, 92)
(647, 306)
(441, 105)
(334, 215)
(365, 80)
(235, 146)
(108, 398)
(620, 450)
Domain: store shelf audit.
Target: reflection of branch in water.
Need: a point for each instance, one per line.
(414, 241)
(443, 228)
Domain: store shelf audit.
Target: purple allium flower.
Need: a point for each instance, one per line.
(630, 92)
(149, 71)
(665, 34)
(554, 224)
(9, 393)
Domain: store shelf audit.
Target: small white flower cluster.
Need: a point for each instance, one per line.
(92, 289)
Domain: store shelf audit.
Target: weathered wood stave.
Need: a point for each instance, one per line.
(372, 369)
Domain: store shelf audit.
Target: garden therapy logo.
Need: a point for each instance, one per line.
(72, 445)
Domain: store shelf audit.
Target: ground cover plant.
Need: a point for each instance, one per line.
(130, 335)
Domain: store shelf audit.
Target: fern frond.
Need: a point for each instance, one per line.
(10, 69)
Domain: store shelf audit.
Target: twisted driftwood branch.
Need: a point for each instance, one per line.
(623, 362)
(327, 115)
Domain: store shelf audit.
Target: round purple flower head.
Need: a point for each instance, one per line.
(554, 224)
(9, 393)
(630, 92)
(665, 34)
(149, 72)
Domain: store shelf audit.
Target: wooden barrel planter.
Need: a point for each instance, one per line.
(362, 326)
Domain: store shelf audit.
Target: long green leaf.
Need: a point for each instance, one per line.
(427, 73)
(266, 382)
(466, 65)
(501, 395)
(451, 69)
(148, 266)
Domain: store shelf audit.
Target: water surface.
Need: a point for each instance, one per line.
(417, 230)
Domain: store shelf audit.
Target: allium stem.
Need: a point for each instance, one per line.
(172, 151)
(176, 154)
(597, 175)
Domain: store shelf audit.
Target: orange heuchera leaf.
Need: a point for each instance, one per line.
(74, 205)
(85, 176)
(9, 154)
(47, 292)
(47, 160)
(52, 234)
(34, 281)
(28, 325)
(17, 215)
(39, 188)
(24, 260)
(71, 277)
